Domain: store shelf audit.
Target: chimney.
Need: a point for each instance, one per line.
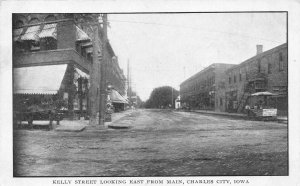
(259, 49)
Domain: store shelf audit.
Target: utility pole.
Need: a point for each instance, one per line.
(103, 69)
(172, 98)
(129, 82)
(95, 74)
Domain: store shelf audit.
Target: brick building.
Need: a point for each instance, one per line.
(53, 58)
(199, 91)
(266, 71)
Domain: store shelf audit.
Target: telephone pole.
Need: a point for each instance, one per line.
(95, 74)
(103, 66)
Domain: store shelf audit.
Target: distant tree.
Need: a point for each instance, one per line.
(140, 103)
(161, 97)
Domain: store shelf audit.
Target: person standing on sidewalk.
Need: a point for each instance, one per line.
(247, 108)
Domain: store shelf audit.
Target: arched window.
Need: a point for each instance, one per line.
(50, 18)
(19, 23)
(33, 21)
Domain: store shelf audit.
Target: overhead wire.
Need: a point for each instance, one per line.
(194, 28)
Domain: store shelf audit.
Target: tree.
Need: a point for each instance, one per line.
(162, 97)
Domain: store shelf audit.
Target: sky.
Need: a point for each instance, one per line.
(166, 49)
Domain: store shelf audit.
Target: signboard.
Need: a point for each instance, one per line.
(269, 112)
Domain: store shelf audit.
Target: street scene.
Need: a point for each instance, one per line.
(157, 143)
(162, 94)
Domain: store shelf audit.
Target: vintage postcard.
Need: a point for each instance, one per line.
(149, 94)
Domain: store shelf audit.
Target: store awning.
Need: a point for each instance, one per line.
(31, 33)
(82, 74)
(116, 97)
(81, 35)
(87, 44)
(263, 94)
(49, 30)
(17, 33)
(38, 79)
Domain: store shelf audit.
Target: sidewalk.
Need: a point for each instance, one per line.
(71, 125)
(114, 124)
(236, 115)
(80, 125)
(281, 119)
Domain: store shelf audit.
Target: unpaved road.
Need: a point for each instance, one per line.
(159, 143)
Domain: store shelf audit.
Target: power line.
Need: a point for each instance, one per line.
(194, 28)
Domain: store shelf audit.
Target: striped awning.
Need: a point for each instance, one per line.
(81, 35)
(49, 30)
(81, 73)
(31, 33)
(116, 97)
(38, 79)
(17, 33)
(88, 44)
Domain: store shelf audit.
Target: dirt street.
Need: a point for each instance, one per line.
(159, 143)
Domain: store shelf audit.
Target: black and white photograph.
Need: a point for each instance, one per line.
(150, 97)
(160, 94)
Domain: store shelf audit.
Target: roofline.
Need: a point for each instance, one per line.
(203, 70)
(257, 56)
(110, 48)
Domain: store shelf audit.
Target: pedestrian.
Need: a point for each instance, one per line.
(247, 108)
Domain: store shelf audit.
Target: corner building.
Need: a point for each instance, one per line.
(266, 71)
(53, 58)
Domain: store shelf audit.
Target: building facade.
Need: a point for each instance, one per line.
(53, 55)
(199, 91)
(267, 71)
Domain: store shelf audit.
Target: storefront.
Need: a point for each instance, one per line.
(118, 101)
(63, 88)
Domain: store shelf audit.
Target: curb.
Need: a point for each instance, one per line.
(220, 114)
(77, 129)
(235, 116)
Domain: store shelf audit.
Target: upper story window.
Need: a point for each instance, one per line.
(37, 37)
(280, 62)
(259, 65)
(229, 80)
(50, 18)
(33, 21)
(234, 79)
(19, 23)
(269, 68)
(48, 43)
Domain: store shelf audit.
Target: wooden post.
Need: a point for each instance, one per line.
(94, 91)
(103, 69)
